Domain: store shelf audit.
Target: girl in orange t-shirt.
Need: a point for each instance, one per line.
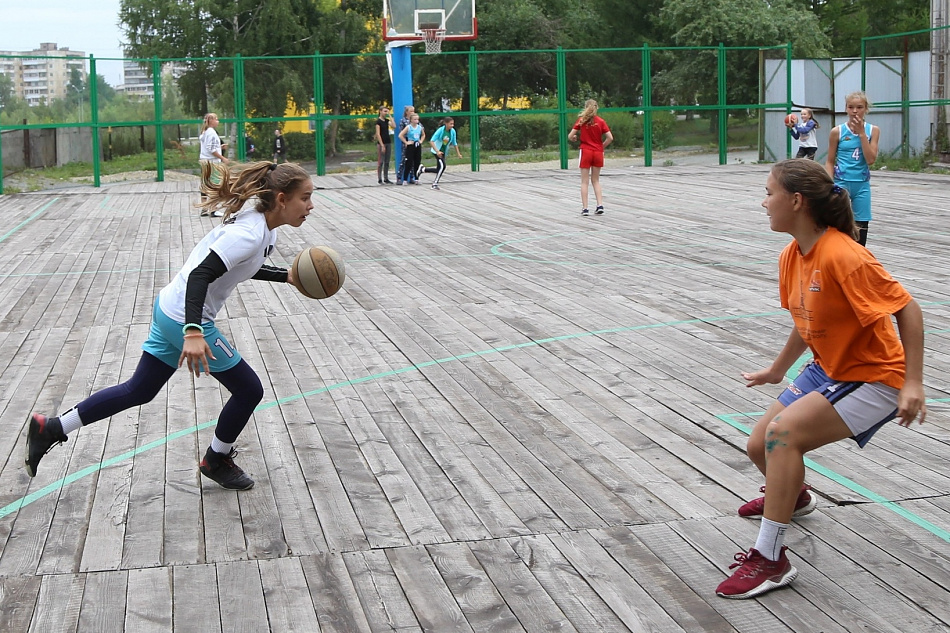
(595, 136)
(841, 300)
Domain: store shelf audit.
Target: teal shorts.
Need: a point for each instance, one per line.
(166, 340)
(860, 193)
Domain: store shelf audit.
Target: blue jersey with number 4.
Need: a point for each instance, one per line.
(850, 165)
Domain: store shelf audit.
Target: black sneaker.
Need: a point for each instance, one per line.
(222, 469)
(436, 187)
(585, 212)
(42, 434)
(599, 210)
(388, 181)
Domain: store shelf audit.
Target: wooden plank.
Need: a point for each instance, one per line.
(287, 597)
(525, 596)
(425, 589)
(241, 597)
(58, 603)
(483, 606)
(18, 601)
(195, 597)
(384, 603)
(688, 609)
(333, 594)
(150, 600)
(104, 602)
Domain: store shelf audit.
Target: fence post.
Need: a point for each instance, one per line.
(239, 106)
(788, 95)
(1, 161)
(473, 121)
(722, 113)
(562, 123)
(320, 151)
(647, 108)
(94, 120)
(159, 130)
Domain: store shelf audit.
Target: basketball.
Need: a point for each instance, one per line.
(318, 272)
(791, 119)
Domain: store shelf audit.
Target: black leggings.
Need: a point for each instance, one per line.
(439, 168)
(412, 157)
(150, 376)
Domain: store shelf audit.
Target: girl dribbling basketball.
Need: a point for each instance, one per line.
(256, 200)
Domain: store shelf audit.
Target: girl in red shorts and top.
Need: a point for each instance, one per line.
(595, 136)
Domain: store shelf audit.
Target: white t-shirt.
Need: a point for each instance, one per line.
(210, 143)
(243, 244)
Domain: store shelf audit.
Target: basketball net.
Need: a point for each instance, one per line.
(433, 39)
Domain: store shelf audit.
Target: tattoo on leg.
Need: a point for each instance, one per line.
(774, 439)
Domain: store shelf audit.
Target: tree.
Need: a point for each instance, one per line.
(692, 76)
(515, 25)
(203, 31)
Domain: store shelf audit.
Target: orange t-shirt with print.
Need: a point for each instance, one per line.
(841, 300)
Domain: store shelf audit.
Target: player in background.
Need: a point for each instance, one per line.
(595, 137)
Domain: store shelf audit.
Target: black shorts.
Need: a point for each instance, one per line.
(806, 152)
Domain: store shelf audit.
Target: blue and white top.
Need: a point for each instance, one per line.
(805, 133)
(414, 133)
(850, 164)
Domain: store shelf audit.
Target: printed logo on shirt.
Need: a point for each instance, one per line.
(815, 284)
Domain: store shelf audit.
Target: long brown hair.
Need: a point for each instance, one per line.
(828, 203)
(236, 186)
(588, 113)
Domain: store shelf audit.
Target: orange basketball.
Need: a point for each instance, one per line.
(318, 272)
(791, 119)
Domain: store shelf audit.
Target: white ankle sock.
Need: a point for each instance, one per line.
(220, 447)
(70, 421)
(771, 538)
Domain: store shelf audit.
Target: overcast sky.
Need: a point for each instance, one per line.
(90, 26)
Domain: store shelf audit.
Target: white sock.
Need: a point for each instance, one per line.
(220, 447)
(70, 421)
(771, 538)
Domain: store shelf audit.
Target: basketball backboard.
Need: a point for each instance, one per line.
(408, 19)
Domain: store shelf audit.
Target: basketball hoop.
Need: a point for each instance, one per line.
(433, 39)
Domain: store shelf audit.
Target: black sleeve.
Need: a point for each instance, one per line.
(199, 279)
(271, 273)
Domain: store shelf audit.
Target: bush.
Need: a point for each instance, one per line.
(624, 129)
(664, 124)
(300, 147)
(517, 132)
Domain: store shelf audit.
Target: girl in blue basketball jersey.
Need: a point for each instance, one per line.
(412, 137)
(852, 149)
(255, 200)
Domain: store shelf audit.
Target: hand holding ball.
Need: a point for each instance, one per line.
(791, 120)
(318, 272)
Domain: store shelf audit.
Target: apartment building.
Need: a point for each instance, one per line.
(42, 75)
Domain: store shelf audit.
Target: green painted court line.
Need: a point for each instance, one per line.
(939, 532)
(28, 220)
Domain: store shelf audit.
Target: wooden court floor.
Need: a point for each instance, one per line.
(511, 418)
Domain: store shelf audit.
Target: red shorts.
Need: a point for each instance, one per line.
(591, 158)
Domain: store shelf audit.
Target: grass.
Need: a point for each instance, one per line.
(920, 163)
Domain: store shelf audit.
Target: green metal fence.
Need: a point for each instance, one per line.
(647, 85)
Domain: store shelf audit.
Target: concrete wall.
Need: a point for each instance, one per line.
(47, 147)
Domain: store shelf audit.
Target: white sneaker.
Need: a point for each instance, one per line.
(217, 214)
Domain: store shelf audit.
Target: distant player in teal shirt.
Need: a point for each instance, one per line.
(441, 140)
(852, 149)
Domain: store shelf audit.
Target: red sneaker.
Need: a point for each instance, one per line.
(756, 575)
(805, 504)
